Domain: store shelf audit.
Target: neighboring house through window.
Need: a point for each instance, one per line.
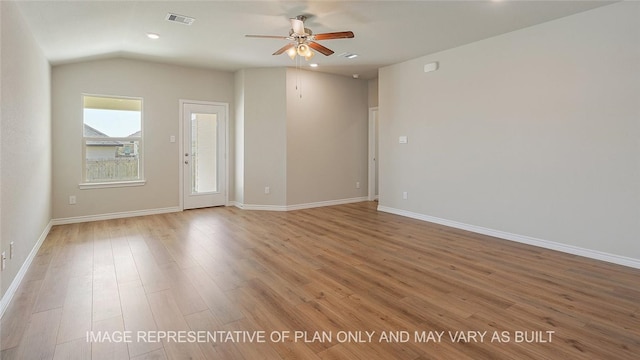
(112, 140)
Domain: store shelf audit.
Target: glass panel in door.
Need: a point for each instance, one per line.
(204, 157)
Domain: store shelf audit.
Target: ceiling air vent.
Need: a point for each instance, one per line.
(348, 55)
(180, 19)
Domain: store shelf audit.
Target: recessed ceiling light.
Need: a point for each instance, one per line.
(313, 65)
(153, 36)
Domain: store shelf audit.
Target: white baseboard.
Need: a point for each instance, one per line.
(11, 291)
(570, 249)
(298, 206)
(118, 215)
(258, 207)
(327, 203)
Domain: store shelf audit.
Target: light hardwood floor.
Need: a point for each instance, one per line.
(338, 271)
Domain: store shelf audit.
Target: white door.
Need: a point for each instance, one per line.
(204, 154)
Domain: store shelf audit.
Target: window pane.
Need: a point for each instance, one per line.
(119, 122)
(112, 123)
(112, 160)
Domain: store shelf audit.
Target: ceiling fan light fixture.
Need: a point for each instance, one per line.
(292, 52)
(303, 50)
(310, 54)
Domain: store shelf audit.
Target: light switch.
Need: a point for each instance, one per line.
(172, 138)
(403, 139)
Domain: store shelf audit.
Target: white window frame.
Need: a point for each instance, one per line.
(84, 184)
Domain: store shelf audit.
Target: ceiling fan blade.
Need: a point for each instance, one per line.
(297, 26)
(284, 48)
(319, 48)
(335, 35)
(267, 36)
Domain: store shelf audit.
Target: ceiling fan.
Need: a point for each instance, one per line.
(302, 40)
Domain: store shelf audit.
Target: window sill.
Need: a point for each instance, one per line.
(115, 184)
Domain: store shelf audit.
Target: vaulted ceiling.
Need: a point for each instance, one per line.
(386, 32)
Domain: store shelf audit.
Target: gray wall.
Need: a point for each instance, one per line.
(264, 136)
(326, 137)
(161, 86)
(533, 133)
(373, 92)
(306, 150)
(25, 153)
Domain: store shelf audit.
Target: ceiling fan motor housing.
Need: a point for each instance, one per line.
(307, 32)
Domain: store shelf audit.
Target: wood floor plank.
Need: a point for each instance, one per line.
(169, 318)
(78, 349)
(137, 316)
(10, 354)
(39, 341)
(205, 321)
(153, 355)
(109, 349)
(16, 318)
(153, 279)
(125, 265)
(185, 294)
(252, 349)
(106, 298)
(77, 311)
(54, 287)
(342, 269)
(216, 300)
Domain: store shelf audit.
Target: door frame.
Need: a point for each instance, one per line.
(181, 147)
(373, 170)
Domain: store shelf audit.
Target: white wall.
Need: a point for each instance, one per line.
(326, 137)
(532, 133)
(161, 86)
(25, 141)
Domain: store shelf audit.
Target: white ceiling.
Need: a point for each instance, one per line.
(386, 32)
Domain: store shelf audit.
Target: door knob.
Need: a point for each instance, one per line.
(186, 162)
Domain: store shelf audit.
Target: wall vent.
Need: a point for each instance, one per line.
(180, 19)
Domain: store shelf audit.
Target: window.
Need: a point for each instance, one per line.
(112, 141)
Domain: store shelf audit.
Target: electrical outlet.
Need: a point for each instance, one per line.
(357, 184)
(4, 260)
(267, 190)
(72, 200)
(405, 195)
(11, 250)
